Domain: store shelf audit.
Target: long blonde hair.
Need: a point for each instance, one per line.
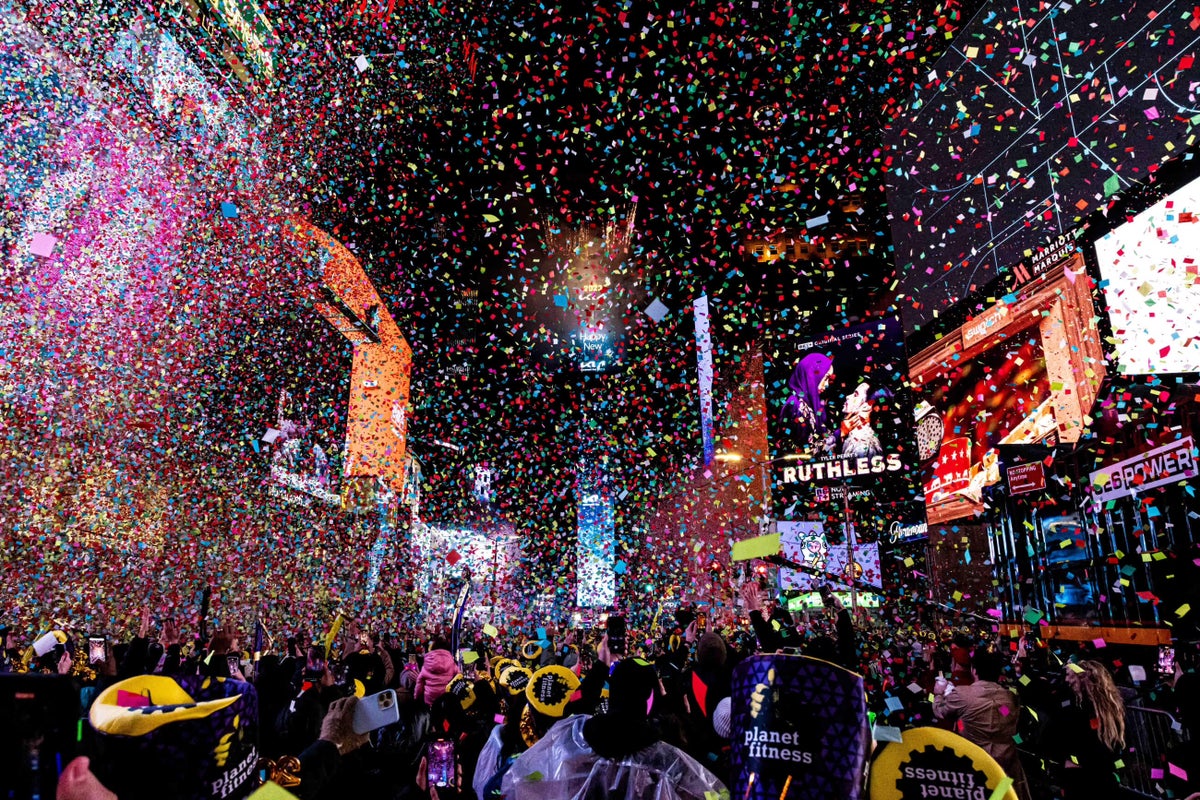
(1095, 685)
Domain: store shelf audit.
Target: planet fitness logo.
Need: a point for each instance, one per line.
(940, 773)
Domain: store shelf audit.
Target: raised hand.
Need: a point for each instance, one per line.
(170, 634)
(752, 595)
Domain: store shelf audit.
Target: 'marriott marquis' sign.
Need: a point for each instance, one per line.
(1168, 463)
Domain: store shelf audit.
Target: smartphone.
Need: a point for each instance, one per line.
(234, 662)
(1166, 660)
(616, 635)
(97, 649)
(439, 763)
(702, 621)
(376, 710)
(38, 738)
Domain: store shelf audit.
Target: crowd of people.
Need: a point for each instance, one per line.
(553, 712)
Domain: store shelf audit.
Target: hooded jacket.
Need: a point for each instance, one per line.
(437, 671)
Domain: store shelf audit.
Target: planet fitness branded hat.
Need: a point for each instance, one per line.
(550, 689)
(194, 738)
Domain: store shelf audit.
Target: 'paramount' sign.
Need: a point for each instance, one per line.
(1168, 463)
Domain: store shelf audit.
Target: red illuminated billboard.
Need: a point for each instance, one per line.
(1025, 370)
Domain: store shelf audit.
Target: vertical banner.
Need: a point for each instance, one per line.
(456, 630)
(704, 375)
(799, 730)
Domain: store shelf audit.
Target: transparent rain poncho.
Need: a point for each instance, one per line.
(561, 766)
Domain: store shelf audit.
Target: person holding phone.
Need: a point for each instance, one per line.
(300, 721)
(439, 771)
(321, 759)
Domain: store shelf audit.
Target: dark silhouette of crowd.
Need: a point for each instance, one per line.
(549, 711)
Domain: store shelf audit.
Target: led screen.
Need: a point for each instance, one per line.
(597, 586)
(1150, 278)
(1000, 396)
(1038, 113)
(805, 543)
(840, 415)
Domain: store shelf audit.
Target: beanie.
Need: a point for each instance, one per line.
(722, 720)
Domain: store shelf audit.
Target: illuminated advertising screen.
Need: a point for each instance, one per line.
(839, 415)
(442, 555)
(1024, 370)
(594, 349)
(377, 431)
(597, 582)
(1037, 114)
(805, 543)
(999, 397)
(1150, 279)
(309, 427)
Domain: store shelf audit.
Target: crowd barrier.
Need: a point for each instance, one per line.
(1149, 736)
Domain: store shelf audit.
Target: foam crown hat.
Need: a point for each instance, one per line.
(550, 689)
(462, 690)
(531, 650)
(499, 665)
(515, 678)
(188, 738)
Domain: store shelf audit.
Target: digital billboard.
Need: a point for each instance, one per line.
(1025, 369)
(310, 426)
(1150, 279)
(839, 415)
(805, 543)
(1037, 115)
(596, 579)
(377, 429)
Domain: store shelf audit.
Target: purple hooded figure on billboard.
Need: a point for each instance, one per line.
(804, 409)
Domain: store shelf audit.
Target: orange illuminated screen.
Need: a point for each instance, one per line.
(377, 426)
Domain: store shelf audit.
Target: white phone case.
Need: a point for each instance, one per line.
(375, 711)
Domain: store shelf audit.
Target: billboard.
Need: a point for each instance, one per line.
(1024, 370)
(597, 587)
(306, 457)
(1017, 135)
(377, 430)
(1150, 280)
(839, 415)
(805, 543)
(1169, 463)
